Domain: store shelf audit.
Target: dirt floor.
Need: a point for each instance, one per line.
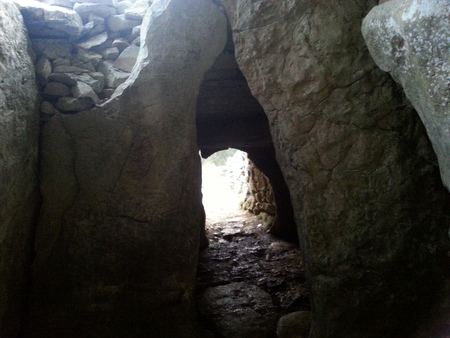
(247, 279)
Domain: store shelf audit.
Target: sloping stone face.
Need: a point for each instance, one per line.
(368, 201)
(118, 236)
(19, 126)
(410, 41)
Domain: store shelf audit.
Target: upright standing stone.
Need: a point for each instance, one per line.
(411, 41)
(19, 128)
(369, 205)
(117, 241)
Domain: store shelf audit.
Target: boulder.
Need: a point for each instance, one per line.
(113, 77)
(61, 3)
(48, 108)
(138, 10)
(47, 21)
(111, 3)
(19, 196)
(74, 104)
(55, 90)
(127, 58)
(357, 162)
(120, 43)
(97, 9)
(94, 41)
(294, 325)
(122, 6)
(95, 79)
(410, 41)
(83, 90)
(52, 48)
(61, 62)
(89, 56)
(97, 20)
(119, 22)
(111, 212)
(111, 53)
(68, 69)
(87, 66)
(43, 69)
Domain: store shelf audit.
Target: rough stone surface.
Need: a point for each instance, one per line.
(102, 264)
(138, 10)
(111, 53)
(120, 23)
(55, 90)
(50, 21)
(113, 77)
(51, 48)
(239, 310)
(43, 70)
(82, 89)
(127, 58)
(48, 108)
(356, 160)
(95, 80)
(19, 127)
(94, 41)
(87, 9)
(294, 325)
(260, 196)
(74, 104)
(410, 40)
(62, 3)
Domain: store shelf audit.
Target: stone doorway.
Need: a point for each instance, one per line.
(228, 116)
(246, 275)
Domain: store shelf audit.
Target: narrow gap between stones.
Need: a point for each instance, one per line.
(247, 279)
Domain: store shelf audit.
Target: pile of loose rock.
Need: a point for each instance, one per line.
(83, 49)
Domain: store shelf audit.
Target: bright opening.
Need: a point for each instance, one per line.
(224, 183)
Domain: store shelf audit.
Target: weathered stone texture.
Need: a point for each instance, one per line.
(50, 21)
(18, 165)
(367, 197)
(410, 40)
(117, 241)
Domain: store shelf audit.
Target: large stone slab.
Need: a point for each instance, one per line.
(50, 21)
(371, 210)
(410, 40)
(117, 241)
(19, 128)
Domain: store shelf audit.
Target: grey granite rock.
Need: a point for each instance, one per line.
(50, 21)
(55, 90)
(119, 22)
(19, 196)
(127, 58)
(116, 200)
(410, 40)
(74, 104)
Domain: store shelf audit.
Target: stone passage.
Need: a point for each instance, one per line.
(228, 116)
(292, 83)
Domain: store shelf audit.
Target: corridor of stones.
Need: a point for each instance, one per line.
(250, 270)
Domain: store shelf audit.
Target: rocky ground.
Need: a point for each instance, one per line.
(247, 279)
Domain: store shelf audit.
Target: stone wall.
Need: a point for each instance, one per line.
(259, 197)
(371, 210)
(83, 50)
(19, 127)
